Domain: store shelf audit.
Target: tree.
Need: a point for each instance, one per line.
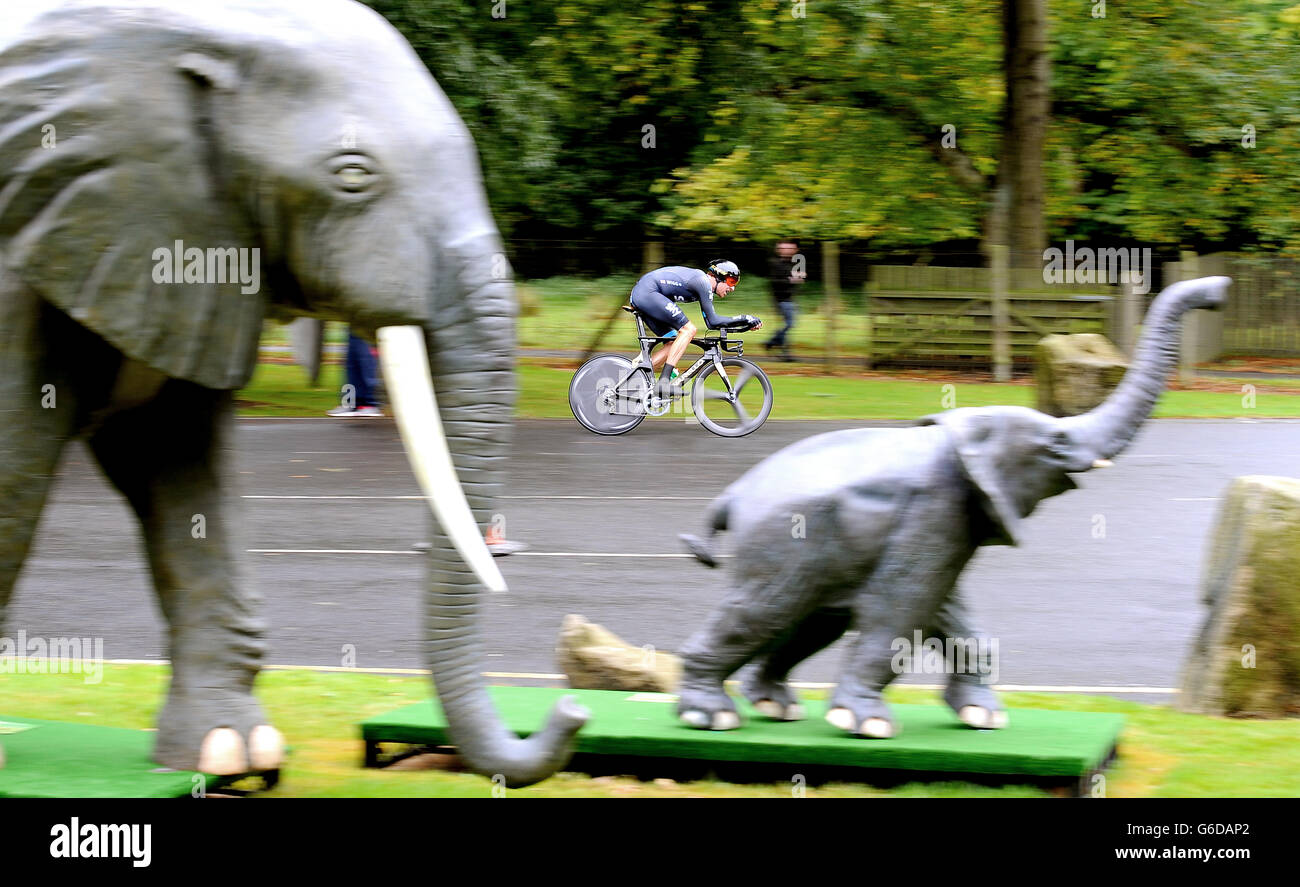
(1016, 215)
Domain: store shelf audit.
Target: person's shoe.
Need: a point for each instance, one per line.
(362, 412)
(667, 390)
(668, 387)
(506, 547)
(498, 547)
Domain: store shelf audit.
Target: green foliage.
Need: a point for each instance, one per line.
(1154, 106)
(827, 118)
(836, 119)
(558, 96)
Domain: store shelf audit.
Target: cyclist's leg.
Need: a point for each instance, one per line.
(662, 330)
(662, 315)
(657, 358)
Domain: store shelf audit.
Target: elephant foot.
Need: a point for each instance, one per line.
(770, 708)
(772, 699)
(701, 549)
(710, 709)
(868, 717)
(220, 732)
(224, 752)
(981, 718)
(976, 706)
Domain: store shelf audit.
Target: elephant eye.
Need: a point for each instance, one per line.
(353, 173)
(354, 177)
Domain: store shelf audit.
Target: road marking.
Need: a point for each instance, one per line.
(667, 498)
(542, 676)
(596, 554)
(418, 498)
(413, 551)
(330, 551)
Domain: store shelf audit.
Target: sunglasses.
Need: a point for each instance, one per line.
(731, 279)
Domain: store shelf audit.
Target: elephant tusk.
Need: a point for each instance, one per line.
(410, 386)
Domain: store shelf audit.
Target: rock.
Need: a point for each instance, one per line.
(595, 658)
(1246, 660)
(1075, 373)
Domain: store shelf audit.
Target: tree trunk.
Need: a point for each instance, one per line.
(831, 291)
(1016, 217)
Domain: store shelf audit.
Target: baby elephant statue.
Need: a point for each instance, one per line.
(869, 529)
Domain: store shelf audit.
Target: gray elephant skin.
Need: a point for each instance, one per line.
(888, 520)
(307, 131)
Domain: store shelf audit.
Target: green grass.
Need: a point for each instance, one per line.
(282, 390)
(1162, 753)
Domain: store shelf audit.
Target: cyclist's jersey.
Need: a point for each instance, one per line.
(681, 284)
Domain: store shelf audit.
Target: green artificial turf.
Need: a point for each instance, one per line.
(56, 759)
(1163, 753)
(1035, 744)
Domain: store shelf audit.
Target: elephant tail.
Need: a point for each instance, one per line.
(715, 517)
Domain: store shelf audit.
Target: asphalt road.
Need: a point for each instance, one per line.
(1068, 608)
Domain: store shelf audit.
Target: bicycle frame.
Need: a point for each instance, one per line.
(712, 346)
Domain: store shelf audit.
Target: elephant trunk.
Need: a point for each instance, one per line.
(470, 345)
(1110, 427)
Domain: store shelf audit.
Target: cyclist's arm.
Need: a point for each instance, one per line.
(711, 317)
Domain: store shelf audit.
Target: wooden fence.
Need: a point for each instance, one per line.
(945, 316)
(1262, 317)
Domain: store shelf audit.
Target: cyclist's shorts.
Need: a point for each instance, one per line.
(660, 312)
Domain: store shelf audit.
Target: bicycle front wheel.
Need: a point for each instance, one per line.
(596, 404)
(734, 403)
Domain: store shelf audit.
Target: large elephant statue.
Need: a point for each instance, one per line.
(171, 172)
(869, 529)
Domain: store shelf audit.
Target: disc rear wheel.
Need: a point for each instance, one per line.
(596, 404)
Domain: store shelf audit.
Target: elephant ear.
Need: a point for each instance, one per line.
(984, 451)
(110, 164)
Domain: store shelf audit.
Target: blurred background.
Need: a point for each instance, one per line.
(615, 138)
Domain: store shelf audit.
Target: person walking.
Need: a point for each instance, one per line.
(784, 278)
(363, 378)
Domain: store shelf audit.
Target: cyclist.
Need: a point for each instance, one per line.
(656, 296)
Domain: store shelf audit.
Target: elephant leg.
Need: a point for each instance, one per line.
(780, 580)
(27, 464)
(914, 576)
(31, 442)
(751, 617)
(37, 417)
(764, 682)
(974, 668)
(171, 458)
(38, 414)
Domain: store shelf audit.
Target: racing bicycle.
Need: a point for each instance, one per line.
(731, 396)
